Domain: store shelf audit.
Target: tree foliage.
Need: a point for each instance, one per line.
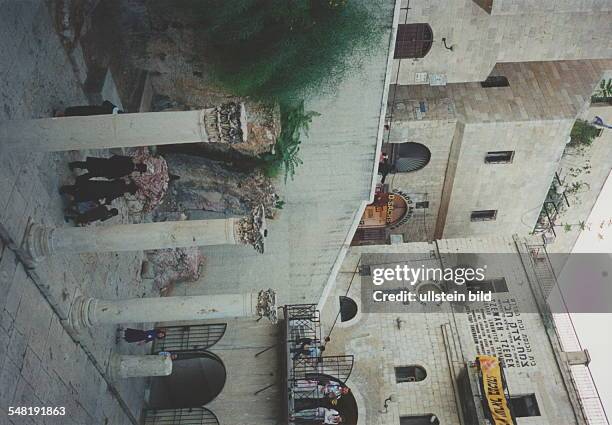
(295, 122)
(283, 49)
(583, 133)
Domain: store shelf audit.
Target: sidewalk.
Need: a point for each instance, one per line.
(40, 363)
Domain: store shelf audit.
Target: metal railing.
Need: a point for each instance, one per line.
(189, 339)
(191, 416)
(308, 370)
(582, 379)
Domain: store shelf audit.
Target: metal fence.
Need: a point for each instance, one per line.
(194, 338)
(192, 416)
(582, 378)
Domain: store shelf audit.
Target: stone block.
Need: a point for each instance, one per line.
(8, 265)
(17, 347)
(9, 376)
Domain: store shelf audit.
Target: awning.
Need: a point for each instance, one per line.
(493, 388)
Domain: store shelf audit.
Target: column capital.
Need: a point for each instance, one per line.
(252, 229)
(266, 305)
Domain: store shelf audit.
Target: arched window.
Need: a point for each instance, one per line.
(413, 41)
(412, 373)
(348, 309)
(411, 157)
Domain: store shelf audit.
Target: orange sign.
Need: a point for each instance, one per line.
(494, 390)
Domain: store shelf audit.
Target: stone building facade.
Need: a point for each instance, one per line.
(489, 90)
(421, 355)
(511, 31)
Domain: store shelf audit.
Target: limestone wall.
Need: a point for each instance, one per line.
(383, 341)
(532, 117)
(516, 31)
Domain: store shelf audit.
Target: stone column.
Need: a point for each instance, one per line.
(124, 366)
(89, 312)
(42, 241)
(223, 124)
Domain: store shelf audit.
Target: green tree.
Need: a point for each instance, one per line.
(295, 122)
(283, 49)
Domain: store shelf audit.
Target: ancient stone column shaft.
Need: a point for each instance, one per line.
(104, 131)
(129, 366)
(89, 312)
(43, 241)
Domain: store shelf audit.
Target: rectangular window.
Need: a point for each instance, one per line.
(409, 374)
(489, 285)
(495, 81)
(419, 420)
(420, 205)
(483, 215)
(499, 157)
(524, 405)
(365, 270)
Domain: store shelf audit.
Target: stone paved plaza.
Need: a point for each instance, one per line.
(40, 363)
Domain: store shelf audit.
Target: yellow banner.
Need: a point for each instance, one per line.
(494, 390)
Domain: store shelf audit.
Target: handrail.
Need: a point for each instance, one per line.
(580, 375)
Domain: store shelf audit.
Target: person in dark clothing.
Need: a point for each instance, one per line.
(141, 336)
(94, 190)
(99, 212)
(111, 168)
(384, 167)
(105, 108)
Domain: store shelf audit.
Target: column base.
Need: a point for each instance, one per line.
(143, 366)
(38, 241)
(80, 313)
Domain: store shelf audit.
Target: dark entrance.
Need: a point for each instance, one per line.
(196, 379)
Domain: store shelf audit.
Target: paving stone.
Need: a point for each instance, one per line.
(9, 377)
(8, 265)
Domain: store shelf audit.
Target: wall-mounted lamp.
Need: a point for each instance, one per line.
(388, 401)
(451, 48)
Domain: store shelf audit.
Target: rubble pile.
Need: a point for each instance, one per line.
(153, 184)
(251, 230)
(175, 265)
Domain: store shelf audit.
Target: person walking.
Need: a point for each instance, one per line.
(141, 336)
(99, 212)
(94, 190)
(111, 168)
(105, 108)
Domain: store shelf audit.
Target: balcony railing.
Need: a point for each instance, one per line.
(307, 365)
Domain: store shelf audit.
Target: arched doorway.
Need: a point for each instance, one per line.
(388, 210)
(346, 405)
(196, 380)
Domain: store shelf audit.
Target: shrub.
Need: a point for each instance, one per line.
(295, 122)
(583, 133)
